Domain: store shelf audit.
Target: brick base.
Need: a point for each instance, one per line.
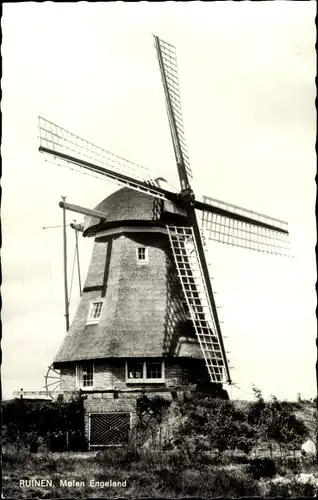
(105, 402)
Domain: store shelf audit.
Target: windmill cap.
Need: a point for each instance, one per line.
(127, 205)
(161, 181)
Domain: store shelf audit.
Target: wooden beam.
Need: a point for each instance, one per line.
(141, 389)
(83, 210)
(77, 227)
(27, 394)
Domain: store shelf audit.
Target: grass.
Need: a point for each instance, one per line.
(152, 474)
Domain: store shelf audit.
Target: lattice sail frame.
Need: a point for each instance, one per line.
(59, 140)
(170, 68)
(241, 234)
(191, 276)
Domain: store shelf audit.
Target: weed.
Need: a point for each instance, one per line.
(14, 454)
(289, 489)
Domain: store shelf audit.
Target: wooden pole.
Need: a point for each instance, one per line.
(67, 320)
(78, 261)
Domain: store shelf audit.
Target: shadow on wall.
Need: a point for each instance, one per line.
(177, 322)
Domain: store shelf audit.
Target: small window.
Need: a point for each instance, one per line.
(142, 255)
(145, 371)
(85, 376)
(154, 369)
(135, 370)
(95, 311)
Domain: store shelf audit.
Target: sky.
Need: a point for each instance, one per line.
(247, 88)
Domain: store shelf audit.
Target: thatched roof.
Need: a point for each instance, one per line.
(132, 206)
(142, 315)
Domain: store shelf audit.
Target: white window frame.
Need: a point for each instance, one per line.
(142, 262)
(144, 379)
(79, 377)
(90, 320)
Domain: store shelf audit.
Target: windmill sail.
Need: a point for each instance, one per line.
(69, 150)
(169, 73)
(194, 287)
(266, 234)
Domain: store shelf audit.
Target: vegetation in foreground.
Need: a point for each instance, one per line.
(211, 452)
(155, 474)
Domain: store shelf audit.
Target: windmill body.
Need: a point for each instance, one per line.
(142, 337)
(133, 274)
(147, 319)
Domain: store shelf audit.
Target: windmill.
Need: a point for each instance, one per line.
(220, 221)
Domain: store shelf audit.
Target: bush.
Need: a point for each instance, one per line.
(150, 414)
(12, 454)
(151, 411)
(262, 467)
(207, 423)
(275, 421)
(215, 423)
(35, 423)
(177, 459)
(290, 489)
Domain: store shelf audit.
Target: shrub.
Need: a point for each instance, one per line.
(32, 422)
(262, 467)
(150, 414)
(12, 454)
(151, 410)
(177, 459)
(289, 489)
(215, 423)
(275, 421)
